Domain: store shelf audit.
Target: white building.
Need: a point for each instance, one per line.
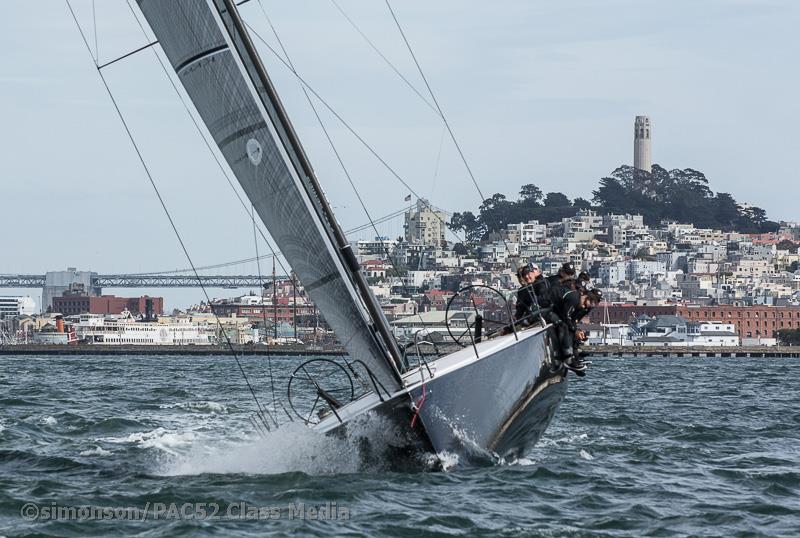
(498, 251)
(11, 307)
(527, 232)
(426, 225)
(712, 334)
(643, 269)
(379, 246)
(611, 274)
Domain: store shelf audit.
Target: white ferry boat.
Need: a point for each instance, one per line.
(126, 330)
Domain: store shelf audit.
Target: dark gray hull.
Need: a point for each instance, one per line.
(496, 404)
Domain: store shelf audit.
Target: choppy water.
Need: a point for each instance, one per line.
(654, 447)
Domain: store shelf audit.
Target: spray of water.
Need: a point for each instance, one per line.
(293, 448)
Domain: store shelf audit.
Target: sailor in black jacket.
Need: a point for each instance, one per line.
(527, 302)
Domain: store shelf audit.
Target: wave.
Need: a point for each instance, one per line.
(96, 451)
(17, 402)
(48, 420)
(209, 407)
(31, 461)
(160, 438)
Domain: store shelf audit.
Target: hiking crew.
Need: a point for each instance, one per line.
(565, 300)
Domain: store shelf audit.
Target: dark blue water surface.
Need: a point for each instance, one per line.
(641, 447)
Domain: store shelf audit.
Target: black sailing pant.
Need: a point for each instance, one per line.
(563, 335)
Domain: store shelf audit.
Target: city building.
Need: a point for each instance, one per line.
(74, 303)
(426, 225)
(58, 282)
(11, 307)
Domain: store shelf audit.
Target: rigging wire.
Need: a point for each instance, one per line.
(341, 120)
(94, 23)
(232, 263)
(441, 114)
(203, 136)
(338, 156)
(438, 160)
(380, 220)
(383, 56)
(169, 217)
(263, 309)
(205, 267)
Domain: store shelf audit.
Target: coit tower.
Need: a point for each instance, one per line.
(642, 148)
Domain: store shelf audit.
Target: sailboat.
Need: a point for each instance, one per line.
(493, 397)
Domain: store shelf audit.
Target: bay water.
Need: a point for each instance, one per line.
(164, 446)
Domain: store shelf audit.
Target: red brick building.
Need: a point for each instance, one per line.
(70, 305)
(625, 313)
(284, 312)
(750, 321)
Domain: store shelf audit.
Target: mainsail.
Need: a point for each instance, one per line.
(212, 55)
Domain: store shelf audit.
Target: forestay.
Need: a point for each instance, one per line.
(246, 120)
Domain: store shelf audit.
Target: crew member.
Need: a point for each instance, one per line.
(526, 296)
(565, 302)
(589, 300)
(546, 287)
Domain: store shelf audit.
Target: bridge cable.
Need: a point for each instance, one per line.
(169, 217)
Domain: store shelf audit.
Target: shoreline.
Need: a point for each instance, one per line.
(94, 349)
(694, 351)
(594, 350)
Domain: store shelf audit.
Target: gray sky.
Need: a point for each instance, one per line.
(538, 92)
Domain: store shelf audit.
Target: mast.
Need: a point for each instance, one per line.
(294, 306)
(214, 59)
(274, 303)
(348, 258)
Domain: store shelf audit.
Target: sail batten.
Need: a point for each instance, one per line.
(248, 124)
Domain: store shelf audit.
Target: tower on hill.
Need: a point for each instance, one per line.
(642, 146)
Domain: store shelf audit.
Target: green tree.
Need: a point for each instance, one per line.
(495, 213)
(556, 199)
(581, 203)
(468, 223)
(460, 249)
(789, 337)
(531, 193)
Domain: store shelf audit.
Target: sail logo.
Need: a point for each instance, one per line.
(254, 151)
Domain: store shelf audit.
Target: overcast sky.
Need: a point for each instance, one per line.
(541, 92)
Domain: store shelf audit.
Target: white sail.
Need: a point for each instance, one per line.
(206, 45)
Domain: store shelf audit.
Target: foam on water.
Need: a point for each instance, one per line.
(571, 439)
(96, 451)
(447, 460)
(48, 420)
(162, 439)
(207, 406)
(291, 448)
